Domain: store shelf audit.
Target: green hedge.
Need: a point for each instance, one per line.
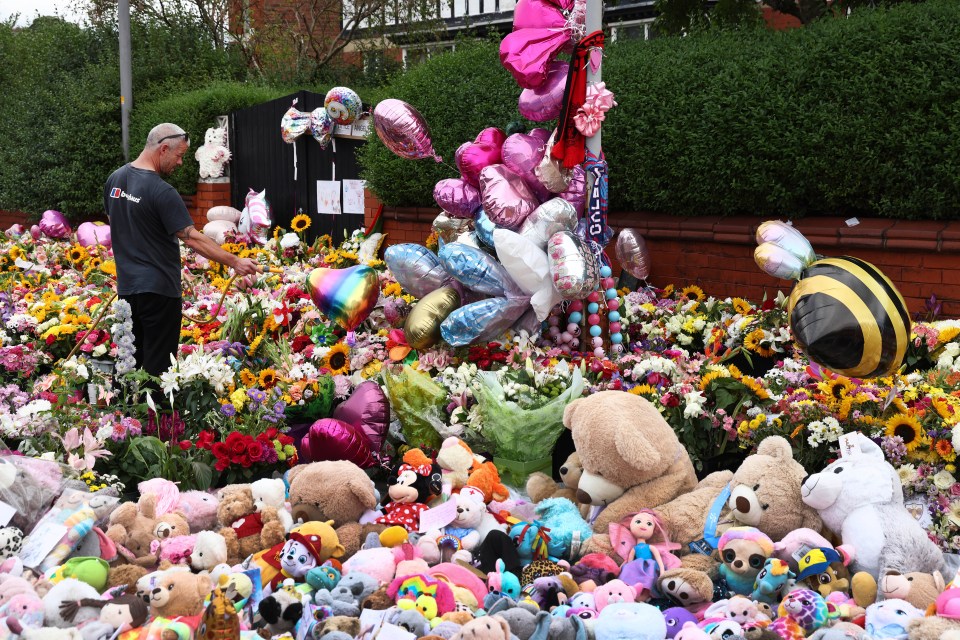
(458, 94)
(856, 116)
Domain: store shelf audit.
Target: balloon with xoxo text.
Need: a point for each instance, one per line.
(573, 266)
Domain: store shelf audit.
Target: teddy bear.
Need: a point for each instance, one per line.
(919, 589)
(860, 498)
(200, 508)
(272, 492)
(209, 551)
(540, 486)
(176, 604)
(335, 490)
(485, 628)
(764, 492)
(614, 591)
(213, 153)
(631, 457)
(456, 460)
(245, 530)
(461, 535)
(687, 588)
(134, 527)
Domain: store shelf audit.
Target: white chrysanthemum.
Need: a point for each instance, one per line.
(289, 240)
(907, 473)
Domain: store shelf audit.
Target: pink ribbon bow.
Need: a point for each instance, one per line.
(593, 112)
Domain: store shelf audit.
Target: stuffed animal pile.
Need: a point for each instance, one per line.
(761, 551)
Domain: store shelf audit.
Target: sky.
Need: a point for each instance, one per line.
(28, 9)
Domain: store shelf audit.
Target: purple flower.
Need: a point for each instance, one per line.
(257, 395)
(228, 410)
(279, 408)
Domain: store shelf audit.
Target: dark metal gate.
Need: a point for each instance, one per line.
(262, 160)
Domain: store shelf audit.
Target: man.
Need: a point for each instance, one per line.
(147, 218)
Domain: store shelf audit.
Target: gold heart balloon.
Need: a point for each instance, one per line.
(422, 328)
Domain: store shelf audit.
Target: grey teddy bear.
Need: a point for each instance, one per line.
(345, 598)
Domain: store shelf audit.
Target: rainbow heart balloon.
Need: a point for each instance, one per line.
(346, 296)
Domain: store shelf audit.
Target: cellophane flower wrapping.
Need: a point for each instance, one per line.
(523, 433)
(419, 403)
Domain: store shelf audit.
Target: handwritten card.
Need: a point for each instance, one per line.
(438, 517)
(328, 196)
(353, 196)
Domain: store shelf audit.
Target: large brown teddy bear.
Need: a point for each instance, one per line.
(179, 593)
(135, 526)
(245, 530)
(631, 457)
(764, 493)
(334, 490)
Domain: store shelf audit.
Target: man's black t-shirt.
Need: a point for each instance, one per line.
(145, 214)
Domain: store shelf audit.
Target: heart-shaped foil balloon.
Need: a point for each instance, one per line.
(346, 296)
(521, 154)
(55, 224)
(332, 439)
(506, 197)
(457, 197)
(545, 102)
(368, 408)
(90, 234)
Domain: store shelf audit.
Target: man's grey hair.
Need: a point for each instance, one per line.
(160, 132)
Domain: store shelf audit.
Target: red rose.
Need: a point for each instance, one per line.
(670, 400)
(271, 433)
(51, 339)
(255, 451)
(184, 445)
(222, 464)
(205, 440)
(300, 343)
(236, 443)
(245, 461)
(220, 451)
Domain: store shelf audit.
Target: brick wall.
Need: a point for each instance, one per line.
(209, 195)
(922, 258)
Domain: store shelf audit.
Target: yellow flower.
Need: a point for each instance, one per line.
(642, 389)
(741, 306)
(268, 378)
(238, 398)
(944, 337)
(945, 450)
(15, 252)
(247, 378)
(755, 386)
(836, 389)
(371, 369)
(692, 292)
(734, 371)
(300, 223)
(77, 253)
(337, 359)
(393, 289)
(109, 267)
(270, 324)
(907, 427)
(710, 377)
(667, 291)
(254, 345)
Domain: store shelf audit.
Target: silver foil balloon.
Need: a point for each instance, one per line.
(469, 239)
(449, 228)
(632, 253)
(573, 266)
(505, 196)
(476, 270)
(787, 238)
(552, 216)
(416, 268)
(778, 262)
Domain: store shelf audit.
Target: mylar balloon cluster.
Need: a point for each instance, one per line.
(295, 123)
(254, 221)
(845, 314)
(354, 433)
(541, 31)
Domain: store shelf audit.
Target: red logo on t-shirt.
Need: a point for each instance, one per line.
(115, 192)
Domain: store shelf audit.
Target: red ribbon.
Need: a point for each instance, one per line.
(569, 144)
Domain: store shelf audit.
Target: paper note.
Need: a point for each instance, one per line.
(438, 517)
(328, 196)
(361, 127)
(40, 543)
(353, 196)
(393, 632)
(849, 446)
(852, 222)
(6, 513)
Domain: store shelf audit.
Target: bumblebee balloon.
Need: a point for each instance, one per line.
(847, 316)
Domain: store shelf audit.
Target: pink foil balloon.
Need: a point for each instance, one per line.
(54, 224)
(491, 135)
(35, 232)
(521, 154)
(540, 134)
(537, 14)
(526, 54)
(90, 234)
(505, 196)
(332, 439)
(545, 102)
(403, 130)
(632, 253)
(474, 157)
(576, 191)
(368, 408)
(458, 198)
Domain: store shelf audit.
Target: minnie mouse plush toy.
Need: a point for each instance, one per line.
(416, 480)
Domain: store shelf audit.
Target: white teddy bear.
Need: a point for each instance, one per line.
(860, 497)
(213, 153)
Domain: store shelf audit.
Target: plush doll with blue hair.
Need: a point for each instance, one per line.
(566, 526)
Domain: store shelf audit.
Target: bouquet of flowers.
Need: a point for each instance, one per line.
(419, 403)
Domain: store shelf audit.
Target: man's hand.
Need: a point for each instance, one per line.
(246, 267)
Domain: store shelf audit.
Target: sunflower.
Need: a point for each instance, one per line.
(945, 450)
(944, 337)
(667, 291)
(710, 377)
(109, 267)
(337, 360)
(248, 378)
(755, 386)
(268, 378)
(642, 389)
(15, 252)
(741, 306)
(77, 253)
(751, 341)
(907, 427)
(836, 389)
(392, 289)
(692, 292)
(300, 223)
(254, 345)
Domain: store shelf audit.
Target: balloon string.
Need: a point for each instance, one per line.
(294, 160)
